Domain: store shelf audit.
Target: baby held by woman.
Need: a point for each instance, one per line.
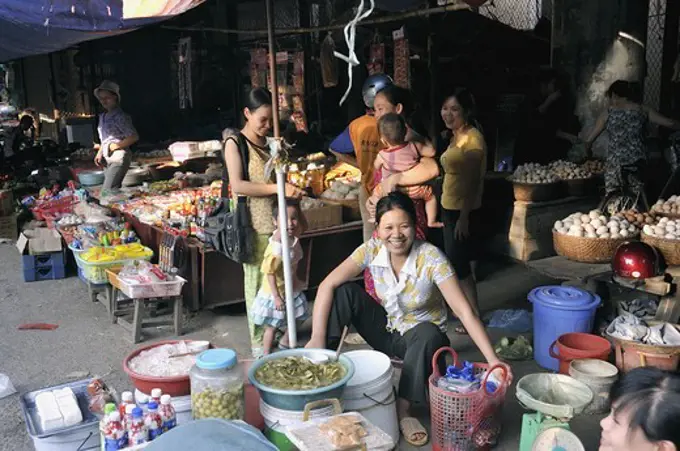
(400, 156)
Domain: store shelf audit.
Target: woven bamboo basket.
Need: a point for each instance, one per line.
(665, 214)
(537, 192)
(632, 354)
(586, 250)
(581, 187)
(670, 249)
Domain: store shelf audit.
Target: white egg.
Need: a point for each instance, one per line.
(558, 225)
(596, 223)
(563, 230)
(663, 220)
(585, 219)
(577, 221)
(591, 235)
(594, 214)
(670, 228)
(649, 230)
(669, 236)
(659, 230)
(589, 228)
(632, 229)
(603, 219)
(624, 223)
(611, 224)
(616, 218)
(615, 236)
(602, 229)
(604, 235)
(624, 233)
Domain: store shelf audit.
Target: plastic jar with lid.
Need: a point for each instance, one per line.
(217, 386)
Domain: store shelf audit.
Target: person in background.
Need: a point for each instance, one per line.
(645, 412)
(400, 156)
(16, 139)
(626, 121)
(116, 135)
(260, 191)
(552, 126)
(360, 143)
(464, 165)
(415, 283)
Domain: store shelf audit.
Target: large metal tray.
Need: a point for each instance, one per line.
(33, 420)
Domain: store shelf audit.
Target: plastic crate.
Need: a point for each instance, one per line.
(43, 260)
(95, 272)
(150, 290)
(39, 273)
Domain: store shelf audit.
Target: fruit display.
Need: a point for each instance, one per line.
(669, 206)
(225, 404)
(596, 225)
(566, 170)
(636, 218)
(533, 173)
(664, 228)
(111, 254)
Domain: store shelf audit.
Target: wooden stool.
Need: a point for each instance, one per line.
(138, 321)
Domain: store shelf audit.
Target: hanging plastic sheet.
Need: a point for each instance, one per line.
(33, 27)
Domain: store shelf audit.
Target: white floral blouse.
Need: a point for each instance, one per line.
(413, 297)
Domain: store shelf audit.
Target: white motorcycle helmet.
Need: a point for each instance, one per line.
(373, 85)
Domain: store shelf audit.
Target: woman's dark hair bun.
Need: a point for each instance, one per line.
(258, 97)
(395, 201)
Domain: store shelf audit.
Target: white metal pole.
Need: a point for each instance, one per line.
(287, 266)
(281, 184)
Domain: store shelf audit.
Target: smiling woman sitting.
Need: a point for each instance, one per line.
(410, 321)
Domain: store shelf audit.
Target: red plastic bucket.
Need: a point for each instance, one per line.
(577, 345)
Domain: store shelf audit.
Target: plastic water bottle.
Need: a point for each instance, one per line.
(127, 419)
(115, 435)
(125, 398)
(167, 412)
(137, 433)
(153, 422)
(143, 402)
(156, 394)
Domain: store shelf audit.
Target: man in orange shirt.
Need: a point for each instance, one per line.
(360, 143)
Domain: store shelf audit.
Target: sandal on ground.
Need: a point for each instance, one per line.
(355, 339)
(284, 346)
(460, 330)
(413, 431)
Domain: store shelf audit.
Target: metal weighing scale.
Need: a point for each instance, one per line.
(556, 399)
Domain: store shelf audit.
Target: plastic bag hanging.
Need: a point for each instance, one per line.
(350, 37)
(329, 65)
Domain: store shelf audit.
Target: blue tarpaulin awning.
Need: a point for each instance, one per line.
(33, 27)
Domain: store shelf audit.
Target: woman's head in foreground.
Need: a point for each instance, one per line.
(395, 218)
(645, 413)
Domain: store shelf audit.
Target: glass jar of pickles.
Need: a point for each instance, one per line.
(217, 386)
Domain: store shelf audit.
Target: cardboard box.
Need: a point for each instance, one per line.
(9, 228)
(39, 241)
(6, 203)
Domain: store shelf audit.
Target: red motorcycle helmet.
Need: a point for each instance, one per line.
(636, 260)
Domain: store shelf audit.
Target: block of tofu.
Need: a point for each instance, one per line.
(48, 411)
(64, 393)
(70, 411)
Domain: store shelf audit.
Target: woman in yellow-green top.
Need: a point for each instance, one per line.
(260, 191)
(464, 165)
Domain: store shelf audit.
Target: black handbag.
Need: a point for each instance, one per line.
(229, 230)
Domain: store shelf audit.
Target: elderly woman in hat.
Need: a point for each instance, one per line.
(116, 135)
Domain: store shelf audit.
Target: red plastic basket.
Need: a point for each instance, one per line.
(52, 207)
(464, 422)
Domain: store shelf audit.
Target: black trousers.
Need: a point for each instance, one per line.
(352, 306)
(460, 252)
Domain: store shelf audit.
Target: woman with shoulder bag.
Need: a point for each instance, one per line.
(259, 190)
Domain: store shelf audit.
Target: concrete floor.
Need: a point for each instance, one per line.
(86, 342)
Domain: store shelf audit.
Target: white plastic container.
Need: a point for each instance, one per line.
(370, 391)
(82, 440)
(279, 420)
(152, 290)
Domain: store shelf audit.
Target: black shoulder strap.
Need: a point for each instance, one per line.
(243, 150)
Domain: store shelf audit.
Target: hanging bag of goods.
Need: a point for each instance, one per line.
(229, 230)
(402, 71)
(376, 64)
(329, 63)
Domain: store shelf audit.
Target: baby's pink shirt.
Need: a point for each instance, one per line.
(399, 159)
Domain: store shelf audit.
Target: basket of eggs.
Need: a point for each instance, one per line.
(591, 237)
(532, 182)
(665, 236)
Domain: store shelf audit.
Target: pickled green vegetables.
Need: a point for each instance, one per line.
(226, 404)
(298, 373)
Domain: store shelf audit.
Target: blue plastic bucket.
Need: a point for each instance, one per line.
(559, 310)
